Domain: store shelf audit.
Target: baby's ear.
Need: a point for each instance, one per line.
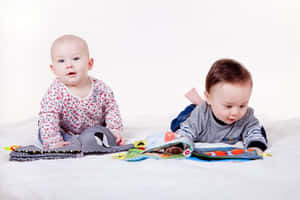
(53, 69)
(206, 95)
(91, 63)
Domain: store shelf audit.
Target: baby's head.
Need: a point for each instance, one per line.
(70, 60)
(228, 89)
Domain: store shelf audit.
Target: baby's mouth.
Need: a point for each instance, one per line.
(71, 73)
(231, 120)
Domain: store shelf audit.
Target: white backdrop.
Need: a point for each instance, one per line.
(152, 52)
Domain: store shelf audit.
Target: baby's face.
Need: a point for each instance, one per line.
(229, 102)
(71, 63)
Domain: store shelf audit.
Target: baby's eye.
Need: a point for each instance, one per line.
(242, 106)
(228, 106)
(61, 60)
(76, 58)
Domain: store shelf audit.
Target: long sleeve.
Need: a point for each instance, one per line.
(49, 118)
(254, 134)
(191, 126)
(255, 137)
(111, 112)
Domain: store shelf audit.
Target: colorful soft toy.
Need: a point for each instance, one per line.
(96, 140)
(157, 146)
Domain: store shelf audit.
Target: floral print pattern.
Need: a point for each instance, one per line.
(62, 111)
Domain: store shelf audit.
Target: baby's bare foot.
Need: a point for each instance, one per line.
(194, 97)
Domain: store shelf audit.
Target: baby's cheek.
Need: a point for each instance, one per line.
(220, 113)
(243, 113)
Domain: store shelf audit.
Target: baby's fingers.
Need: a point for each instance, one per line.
(122, 141)
(118, 139)
(60, 144)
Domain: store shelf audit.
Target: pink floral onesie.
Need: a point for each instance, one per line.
(62, 110)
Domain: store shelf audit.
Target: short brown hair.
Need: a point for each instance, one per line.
(227, 70)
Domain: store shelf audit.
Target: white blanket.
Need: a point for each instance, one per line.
(101, 177)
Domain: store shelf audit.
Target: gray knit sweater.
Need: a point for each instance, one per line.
(202, 126)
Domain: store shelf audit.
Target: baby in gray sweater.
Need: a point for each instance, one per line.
(225, 115)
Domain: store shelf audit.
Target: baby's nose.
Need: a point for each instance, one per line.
(69, 66)
(235, 111)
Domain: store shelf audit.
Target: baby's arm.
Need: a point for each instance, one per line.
(255, 137)
(49, 131)
(113, 118)
(191, 127)
(49, 120)
(186, 130)
(255, 140)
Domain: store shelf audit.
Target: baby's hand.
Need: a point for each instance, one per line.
(258, 150)
(119, 139)
(60, 144)
(174, 150)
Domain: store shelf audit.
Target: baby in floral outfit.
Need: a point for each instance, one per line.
(75, 101)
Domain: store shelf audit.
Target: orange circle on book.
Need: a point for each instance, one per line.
(220, 153)
(237, 151)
